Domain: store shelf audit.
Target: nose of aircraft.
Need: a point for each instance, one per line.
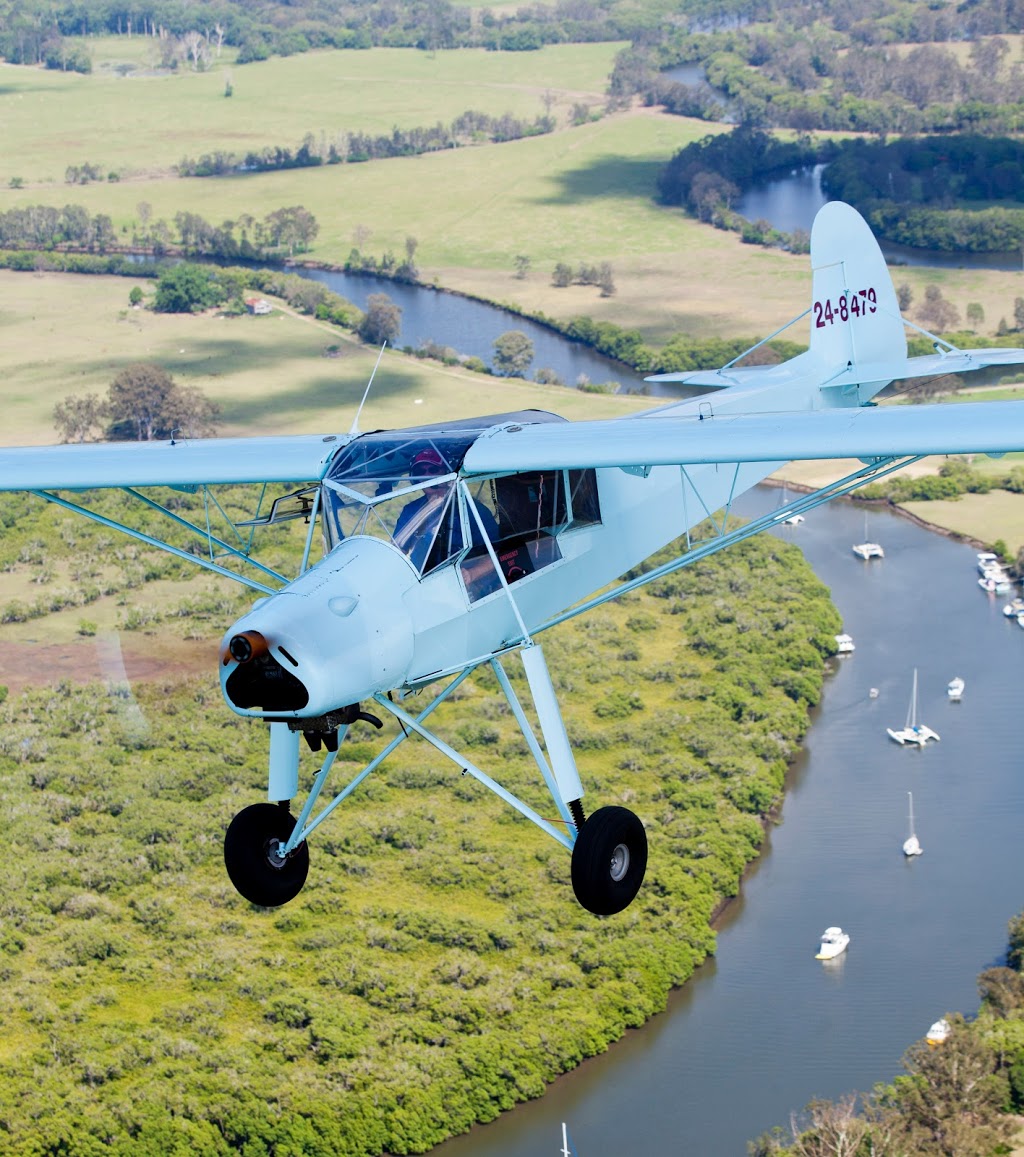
(338, 634)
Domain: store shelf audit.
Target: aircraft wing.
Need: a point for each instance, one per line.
(660, 439)
(185, 463)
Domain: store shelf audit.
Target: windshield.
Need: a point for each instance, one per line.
(400, 486)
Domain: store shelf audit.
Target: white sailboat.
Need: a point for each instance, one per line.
(566, 1151)
(912, 845)
(865, 549)
(912, 732)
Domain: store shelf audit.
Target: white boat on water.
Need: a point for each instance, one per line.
(955, 689)
(912, 732)
(865, 549)
(912, 845)
(939, 1031)
(1014, 608)
(845, 644)
(833, 942)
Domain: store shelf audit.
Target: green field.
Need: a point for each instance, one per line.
(146, 121)
(63, 334)
(583, 194)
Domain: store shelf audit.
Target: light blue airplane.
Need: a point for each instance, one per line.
(447, 547)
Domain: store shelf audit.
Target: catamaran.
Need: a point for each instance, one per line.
(912, 732)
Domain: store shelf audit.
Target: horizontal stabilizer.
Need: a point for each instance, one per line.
(189, 462)
(664, 440)
(931, 365)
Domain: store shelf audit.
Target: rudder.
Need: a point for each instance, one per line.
(854, 313)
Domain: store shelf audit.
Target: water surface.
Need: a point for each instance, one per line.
(764, 1027)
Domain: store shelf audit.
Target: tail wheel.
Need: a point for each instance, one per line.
(252, 855)
(609, 860)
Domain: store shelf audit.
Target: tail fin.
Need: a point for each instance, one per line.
(855, 317)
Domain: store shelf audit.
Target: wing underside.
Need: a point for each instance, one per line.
(661, 440)
(187, 463)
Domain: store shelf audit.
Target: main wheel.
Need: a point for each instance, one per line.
(252, 855)
(609, 859)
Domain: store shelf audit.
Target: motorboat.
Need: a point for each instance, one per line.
(912, 732)
(833, 942)
(793, 520)
(939, 1032)
(912, 845)
(845, 644)
(866, 550)
(996, 583)
(987, 560)
(1014, 608)
(955, 689)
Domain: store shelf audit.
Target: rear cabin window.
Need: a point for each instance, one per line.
(531, 510)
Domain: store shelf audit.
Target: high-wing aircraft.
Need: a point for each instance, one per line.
(446, 547)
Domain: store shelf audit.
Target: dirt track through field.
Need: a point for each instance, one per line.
(97, 660)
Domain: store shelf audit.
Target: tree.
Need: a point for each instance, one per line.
(513, 352)
(904, 296)
(135, 297)
(939, 313)
(950, 1104)
(382, 321)
(147, 404)
(975, 314)
(78, 419)
(562, 275)
(1018, 312)
(187, 288)
(522, 263)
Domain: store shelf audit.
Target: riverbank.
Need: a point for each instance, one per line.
(978, 519)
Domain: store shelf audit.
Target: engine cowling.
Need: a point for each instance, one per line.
(338, 634)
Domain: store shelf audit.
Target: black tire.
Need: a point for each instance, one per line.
(249, 845)
(609, 860)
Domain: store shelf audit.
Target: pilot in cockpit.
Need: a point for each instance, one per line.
(433, 516)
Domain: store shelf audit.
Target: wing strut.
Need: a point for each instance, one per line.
(94, 516)
(877, 469)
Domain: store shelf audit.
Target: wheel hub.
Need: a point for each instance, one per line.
(275, 854)
(619, 865)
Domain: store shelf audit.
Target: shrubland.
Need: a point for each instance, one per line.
(436, 968)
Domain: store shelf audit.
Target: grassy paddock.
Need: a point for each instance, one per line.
(63, 334)
(54, 119)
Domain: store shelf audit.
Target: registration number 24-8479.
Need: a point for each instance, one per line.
(855, 304)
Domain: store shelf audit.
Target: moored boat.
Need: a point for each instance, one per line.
(955, 689)
(833, 942)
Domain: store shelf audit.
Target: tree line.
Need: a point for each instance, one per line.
(43, 227)
(905, 189)
(466, 129)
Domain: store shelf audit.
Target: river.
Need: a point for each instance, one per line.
(471, 327)
(764, 1027)
(790, 202)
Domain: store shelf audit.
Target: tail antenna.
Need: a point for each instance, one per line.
(355, 421)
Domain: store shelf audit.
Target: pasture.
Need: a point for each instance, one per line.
(581, 194)
(128, 117)
(64, 335)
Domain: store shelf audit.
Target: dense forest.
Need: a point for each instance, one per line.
(436, 969)
(925, 192)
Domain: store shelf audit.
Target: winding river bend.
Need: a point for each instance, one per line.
(764, 1027)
